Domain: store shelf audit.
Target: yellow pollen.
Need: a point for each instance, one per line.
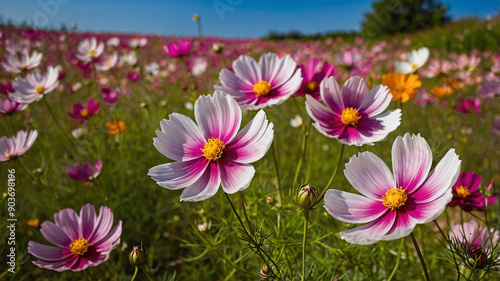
(395, 198)
(7, 153)
(311, 85)
(462, 192)
(213, 149)
(79, 246)
(84, 112)
(413, 66)
(24, 66)
(91, 52)
(40, 90)
(350, 117)
(109, 63)
(262, 88)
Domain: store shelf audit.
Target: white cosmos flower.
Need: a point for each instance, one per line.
(415, 60)
(296, 122)
(34, 86)
(16, 64)
(107, 62)
(89, 49)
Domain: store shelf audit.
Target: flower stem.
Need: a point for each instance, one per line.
(334, 171)
(304, 243)
(420, 257)
(305, 137)
(440, 230)
(57, 123)
(25, 169)
(397, 261)
(243, 207)
(147, 274)
(11, 124)
(135, 273)
(277, 174)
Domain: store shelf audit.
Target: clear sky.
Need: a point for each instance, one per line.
(226, 18)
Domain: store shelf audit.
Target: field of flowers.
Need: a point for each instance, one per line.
(134, 157)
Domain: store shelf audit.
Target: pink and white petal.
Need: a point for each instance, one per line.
(68, 221)
(252, 142)
(411, 161)
(440, 180)
(205, 187)
(426, 212)
(103, 224)
(370, 233)
(55, 235)
(376, 101)
(403, 67)
(276, 71)
(229, 80)
(290, 86)
(48, 253)
(331, 95)
(263, 102)
(327, 122)
(402, 227)
(247, 69)
(110, 240)
(88, 219)
(177, 175)
(352, 208)
(376, 128)
(65, 264)
(235, 176)
(369, 175)
(219, 116)
(350, 136)
(354, 91)
(180, 138)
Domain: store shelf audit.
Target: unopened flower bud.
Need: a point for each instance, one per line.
(269, 200)
(265, 272)
(137, 257)
(196, 17)
(217, 48)
(307, 197)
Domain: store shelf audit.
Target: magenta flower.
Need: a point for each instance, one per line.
(268, 83)
(82, 113)
(179, 49)
(6, 89)
(353, 115)
(466, 193)
(133, 76)
(109, 95)
(8, 107)
(312, 74)
(393, 203)
(213, 152)
(86, 172)
(82, 240)
(467, 105)
(16, 146)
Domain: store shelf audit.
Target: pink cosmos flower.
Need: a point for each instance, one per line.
(109, 95)
(34, 86)
(6, 89)
(258, 85)
(82, 240)
(8, 107)
(312, 74)
(16, 146)
(393, 203)
(86, 172)
(107, 62)
(81, 113)
(133, 76)
(352, 60)
(490, 87)
(179, 49)
(353, 115)
(466, 193)
(475, 241)
(17, 64)
(89, 49)
(467, 105)
(213, 152)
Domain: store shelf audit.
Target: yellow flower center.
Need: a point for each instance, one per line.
(109, 63)
(462, 192)
(40, 90)
(350, 116)
(79, 246)
(7, 153)
(262, 88)
(311, 85)
(91, 52)
(84, 112)
(24, 66)
(399, 88)
(213, 149)
(395, 198)
(414, 66)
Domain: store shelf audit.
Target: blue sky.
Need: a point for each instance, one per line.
(227, 18)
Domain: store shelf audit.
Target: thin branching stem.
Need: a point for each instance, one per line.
(426, 273)
(334, 171)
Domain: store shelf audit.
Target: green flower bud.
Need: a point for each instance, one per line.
(307, 197)
(137, 257)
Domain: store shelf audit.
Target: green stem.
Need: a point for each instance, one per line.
(305, 137)
(304, 243)
(397, 261)
(57, 123)
(242, 202)
(11, 124)
(275, 159)
(334, 171)
(440, 230)
(426, 273)
(25, 169)
(147, 274)
(135, 273)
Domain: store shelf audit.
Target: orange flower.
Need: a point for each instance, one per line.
(115, 127)
(401, 86)
(443, 91)
(455, 84)
(32, 222)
